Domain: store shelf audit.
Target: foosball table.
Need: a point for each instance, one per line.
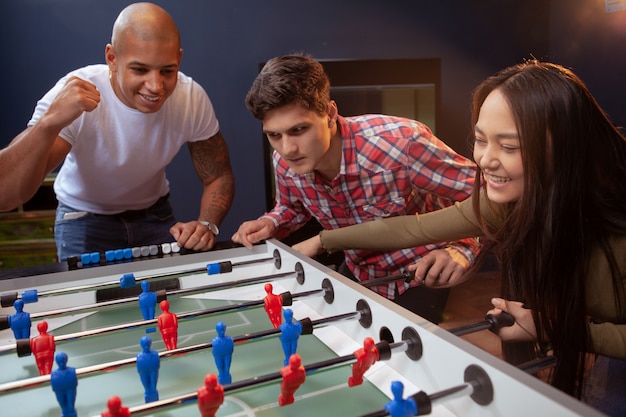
(100, 328)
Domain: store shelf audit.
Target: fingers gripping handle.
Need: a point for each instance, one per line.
(503, 319)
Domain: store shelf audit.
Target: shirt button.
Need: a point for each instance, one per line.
(347, 212)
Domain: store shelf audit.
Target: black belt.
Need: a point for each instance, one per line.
(137, 214)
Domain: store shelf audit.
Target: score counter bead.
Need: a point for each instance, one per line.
(90, 258)
(166, 248)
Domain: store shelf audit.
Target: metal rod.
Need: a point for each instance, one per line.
(90, 287)
(34, 381)
(182, 316)
(212, 287)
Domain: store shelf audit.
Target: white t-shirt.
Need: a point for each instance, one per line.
(119, 155)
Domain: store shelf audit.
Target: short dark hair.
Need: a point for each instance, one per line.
(288, 80)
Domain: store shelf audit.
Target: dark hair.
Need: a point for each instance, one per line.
(289, 80)
(574, 201)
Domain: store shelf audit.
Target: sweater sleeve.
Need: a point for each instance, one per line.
(608, 339)
(607, 329)
(449, 224)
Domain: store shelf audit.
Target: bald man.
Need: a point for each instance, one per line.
(116, 127)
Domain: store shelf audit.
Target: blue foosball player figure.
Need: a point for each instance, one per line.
(147, 301)
(223, 347)
(148, 363)
(289, 334)
(64, 384)
(400, 407)
(20, 321)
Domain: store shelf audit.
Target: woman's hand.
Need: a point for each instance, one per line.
(310, 247)
(524, 328)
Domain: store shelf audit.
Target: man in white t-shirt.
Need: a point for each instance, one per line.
(116, 127)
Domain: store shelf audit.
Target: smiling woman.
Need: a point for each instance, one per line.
(497, 150)
(552, 200)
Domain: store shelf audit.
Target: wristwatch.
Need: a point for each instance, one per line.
(212, 227)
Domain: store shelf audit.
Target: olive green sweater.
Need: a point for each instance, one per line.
(608, 333)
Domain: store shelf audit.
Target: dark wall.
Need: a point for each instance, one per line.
(225, 41)
(584, 37)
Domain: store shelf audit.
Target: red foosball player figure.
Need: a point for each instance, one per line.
(43, 348)
(210, 396)
(168, 325)
(294, 375)
(365, 358)
(273, 306)
(115, 408)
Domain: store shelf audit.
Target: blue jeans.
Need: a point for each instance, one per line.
(605, 386)
(79, 232)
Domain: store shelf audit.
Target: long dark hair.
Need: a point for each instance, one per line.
(574, 201)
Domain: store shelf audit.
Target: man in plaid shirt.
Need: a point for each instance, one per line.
(348, 170)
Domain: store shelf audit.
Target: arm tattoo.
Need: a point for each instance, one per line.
(212, 164)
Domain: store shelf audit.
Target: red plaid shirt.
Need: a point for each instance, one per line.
(390, 166)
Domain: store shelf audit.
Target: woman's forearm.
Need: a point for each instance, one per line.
(449, 224)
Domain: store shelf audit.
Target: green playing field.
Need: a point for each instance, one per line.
(325, 392)
(425, 358)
